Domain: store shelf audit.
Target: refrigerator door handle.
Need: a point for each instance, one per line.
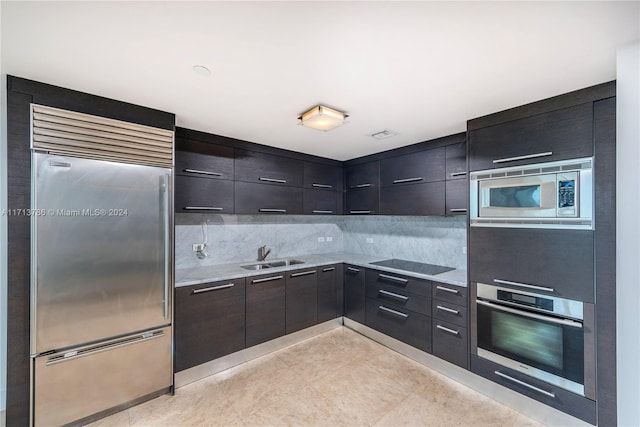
(88, 351)
(166, 186)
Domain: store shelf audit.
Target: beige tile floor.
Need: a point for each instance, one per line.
(339, 378)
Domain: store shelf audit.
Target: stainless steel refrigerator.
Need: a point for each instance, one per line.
(101, 284)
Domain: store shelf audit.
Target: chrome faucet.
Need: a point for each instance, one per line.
(263, 252)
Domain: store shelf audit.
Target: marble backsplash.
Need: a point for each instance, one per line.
(236, 238)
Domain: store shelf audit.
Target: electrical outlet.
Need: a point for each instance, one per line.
(321, 239)
(329, 239)
(369, 239)
(198, 247)
(464, 250)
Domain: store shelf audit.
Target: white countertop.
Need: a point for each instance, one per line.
(214, 273)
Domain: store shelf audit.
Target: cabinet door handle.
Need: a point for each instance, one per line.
(279, 181)
(213, 288)
(316, 185)
(396, 312)
(397, 279)
(400, 181)
(526, 156)
(447, 309)
(304, 273)
(199, 172)
(202, 208)
(267, 210)
(394, 295)
(355, 270)
(524, 384)
(451, 331)
(458, 174)
(266, 279)
(524, 285)
(321, 212)
(453, 291)
(359, 212)
(361, 185)
(328, 269)
(457, 210)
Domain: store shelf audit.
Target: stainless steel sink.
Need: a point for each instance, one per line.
(271, 264)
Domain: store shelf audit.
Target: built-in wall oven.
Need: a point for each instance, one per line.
(546, 337)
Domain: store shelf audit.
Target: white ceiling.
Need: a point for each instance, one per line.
(421, 69)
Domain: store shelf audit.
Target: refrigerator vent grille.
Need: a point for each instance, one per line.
(76, 134)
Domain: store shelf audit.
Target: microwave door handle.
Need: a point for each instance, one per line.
(565, 322)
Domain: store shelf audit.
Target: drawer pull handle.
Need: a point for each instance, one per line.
(527, 385)
(213, 288)
(447, 309)
(304, 273)
(267, 210)
(457, 210)
(328, 269)
(359, 212)
(361, 186)
(202, 208)
(458, 174)
(397, 279)
(401, 181)
(527, 156)
(321, 185)
(199, 172)
(266, 279)
(394, 295)
(279, 181)
(355, 270)
(524, 285)
(451, 331)
(321, 212)
(453, 291)
(396, 312)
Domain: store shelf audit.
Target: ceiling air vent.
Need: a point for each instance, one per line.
(384, 134)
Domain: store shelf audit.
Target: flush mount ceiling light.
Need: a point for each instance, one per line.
(322, 118)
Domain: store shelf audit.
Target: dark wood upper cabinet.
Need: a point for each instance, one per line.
(255, 198)
(562, 134)
(422, 199)
(322, 177)
(203, 159)
(457, 197)
(456, 161)
(363, 175)
(265, 308)
(414, 168)
(320, 202)
(251, 166)
(362, 202)
(301, 299)
(198, 194)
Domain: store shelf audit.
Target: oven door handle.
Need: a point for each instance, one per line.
(566, 322)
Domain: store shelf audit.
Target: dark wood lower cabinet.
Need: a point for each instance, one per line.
(328, 293)
(301, 299)
(404, 325)
(265, 308)
(354, 292)
(209, 322)
(450, 342)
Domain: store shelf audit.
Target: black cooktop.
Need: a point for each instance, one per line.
(416, 267)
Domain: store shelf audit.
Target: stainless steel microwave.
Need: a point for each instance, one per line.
(543, 195)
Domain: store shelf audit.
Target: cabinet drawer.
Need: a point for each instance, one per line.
(253, 198)
(362, 202)
(557, 135)
(562, 261)
(456, 197)
(195, 158)
(420, 199)
(209, 322)
(319, 202)
(251, 166)
(420, 167)
(448, 312)
(450, 342)
(399, 297)
(404, 325)
(450, 293)
(456, 161)
(398, 281)
(364, 175)
(321, 177)
(196, 194)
